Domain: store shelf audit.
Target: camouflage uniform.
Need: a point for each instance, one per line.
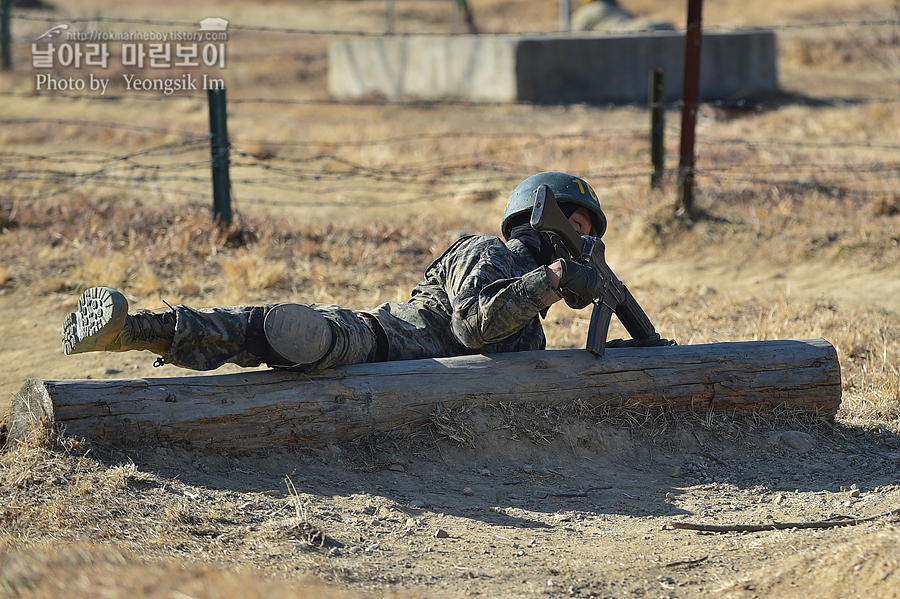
(481, 296)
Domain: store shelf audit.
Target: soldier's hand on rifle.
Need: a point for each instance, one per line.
(579, 284)
(575, 302)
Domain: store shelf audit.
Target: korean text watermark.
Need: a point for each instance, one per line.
(59, 47)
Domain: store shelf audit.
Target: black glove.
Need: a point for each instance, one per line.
(579, 282)
(576, 302)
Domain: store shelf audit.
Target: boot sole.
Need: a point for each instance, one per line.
(297, 334)
(98, 321)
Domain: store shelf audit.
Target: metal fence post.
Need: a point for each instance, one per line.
(565, 15)
(218, 149)
(389, 17)
(468, 17)
(657, 126)
(690, 92)
(5, 45)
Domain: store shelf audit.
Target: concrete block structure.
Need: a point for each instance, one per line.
(560, 69)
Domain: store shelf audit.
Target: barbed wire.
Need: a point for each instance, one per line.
(197, 140)
(264, 158)
(107, 124)
(833, 189)
(153, 176)
(327, 164)
(361, 33)
(776, 142)
(96, 156)
(294, 179)
(398, 103)
(363, 182)
(149, 97)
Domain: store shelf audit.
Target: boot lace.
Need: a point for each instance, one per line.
(149, 326)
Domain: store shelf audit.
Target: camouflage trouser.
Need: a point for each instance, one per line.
(208, 338)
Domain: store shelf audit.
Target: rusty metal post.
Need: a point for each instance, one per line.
(690, 92)
(657, 126)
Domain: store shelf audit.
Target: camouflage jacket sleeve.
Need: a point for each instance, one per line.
(495, 290)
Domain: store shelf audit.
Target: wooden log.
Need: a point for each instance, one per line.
(269, 409)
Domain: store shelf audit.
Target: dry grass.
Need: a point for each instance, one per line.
(340, 238)
(159, 538)
(86, 571)
(858, 564)
(368, 202)
(180, 256)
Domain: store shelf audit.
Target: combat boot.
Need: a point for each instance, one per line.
(297, 335)
(102, 323)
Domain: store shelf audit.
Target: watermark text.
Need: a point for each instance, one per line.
(166, 85)
(59, 47)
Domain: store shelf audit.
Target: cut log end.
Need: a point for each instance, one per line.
(257, 410)
(31, 412)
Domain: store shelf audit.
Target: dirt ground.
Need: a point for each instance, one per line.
(587, 513)
(536, 503)
(519, 501)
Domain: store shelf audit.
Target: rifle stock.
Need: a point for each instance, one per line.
(546, 216)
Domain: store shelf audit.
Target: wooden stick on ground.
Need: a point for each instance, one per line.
(832, 523)
(271, 409)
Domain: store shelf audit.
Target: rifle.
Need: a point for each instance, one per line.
(546, 216)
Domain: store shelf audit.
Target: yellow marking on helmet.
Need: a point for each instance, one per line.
(580, 184)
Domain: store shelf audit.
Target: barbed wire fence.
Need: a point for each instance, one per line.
(181, 167)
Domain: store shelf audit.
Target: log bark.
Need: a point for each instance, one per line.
(269, 409)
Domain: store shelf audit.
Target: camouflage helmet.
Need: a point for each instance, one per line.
(566, 188)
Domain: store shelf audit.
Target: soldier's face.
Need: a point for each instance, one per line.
(581, 221)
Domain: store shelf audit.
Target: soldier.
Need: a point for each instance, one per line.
(483, 295)
(608, 15)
